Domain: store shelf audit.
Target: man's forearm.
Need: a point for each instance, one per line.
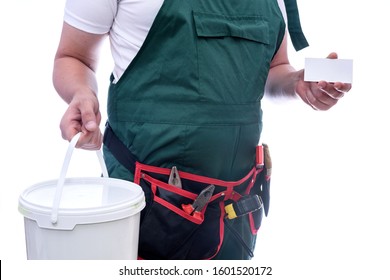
(71, 76)
(282, 80)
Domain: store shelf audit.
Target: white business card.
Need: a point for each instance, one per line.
(329, 70)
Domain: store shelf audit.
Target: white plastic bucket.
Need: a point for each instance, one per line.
(82, 218)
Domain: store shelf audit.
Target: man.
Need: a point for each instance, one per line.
(185, 95)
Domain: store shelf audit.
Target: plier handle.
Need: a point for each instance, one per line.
(195, 209)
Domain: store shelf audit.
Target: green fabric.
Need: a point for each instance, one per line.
(294, 25)
(191, 97)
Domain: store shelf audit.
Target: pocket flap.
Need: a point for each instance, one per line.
(253, 28)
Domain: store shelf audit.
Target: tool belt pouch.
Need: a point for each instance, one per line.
(167, 231)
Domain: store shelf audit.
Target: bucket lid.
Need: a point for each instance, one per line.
(84, 201)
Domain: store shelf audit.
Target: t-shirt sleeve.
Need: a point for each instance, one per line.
(93, 16)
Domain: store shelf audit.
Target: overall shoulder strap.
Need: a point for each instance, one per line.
(294, 25)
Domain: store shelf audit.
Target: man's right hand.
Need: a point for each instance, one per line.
(83, 115)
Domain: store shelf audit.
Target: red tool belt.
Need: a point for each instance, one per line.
(169, 230)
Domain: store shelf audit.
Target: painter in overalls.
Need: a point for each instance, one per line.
(188, 105)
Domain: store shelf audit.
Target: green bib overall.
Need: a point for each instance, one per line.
(191, 96)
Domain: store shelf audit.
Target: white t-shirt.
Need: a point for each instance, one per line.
(127, 22)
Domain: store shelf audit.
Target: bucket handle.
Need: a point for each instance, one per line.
(64, 170)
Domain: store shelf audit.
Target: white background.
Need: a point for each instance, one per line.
(329, 216)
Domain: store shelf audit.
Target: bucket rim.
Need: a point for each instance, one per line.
(69, 217)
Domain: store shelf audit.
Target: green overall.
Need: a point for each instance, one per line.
(191, 96)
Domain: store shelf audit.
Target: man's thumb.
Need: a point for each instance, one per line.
(91, 125)
(332, 55)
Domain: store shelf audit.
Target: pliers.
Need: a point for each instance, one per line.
(195, 209)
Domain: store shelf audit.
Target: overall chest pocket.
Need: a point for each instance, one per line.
(234, 54)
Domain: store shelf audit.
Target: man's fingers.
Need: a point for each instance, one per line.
(89, 116)
(332, 55)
